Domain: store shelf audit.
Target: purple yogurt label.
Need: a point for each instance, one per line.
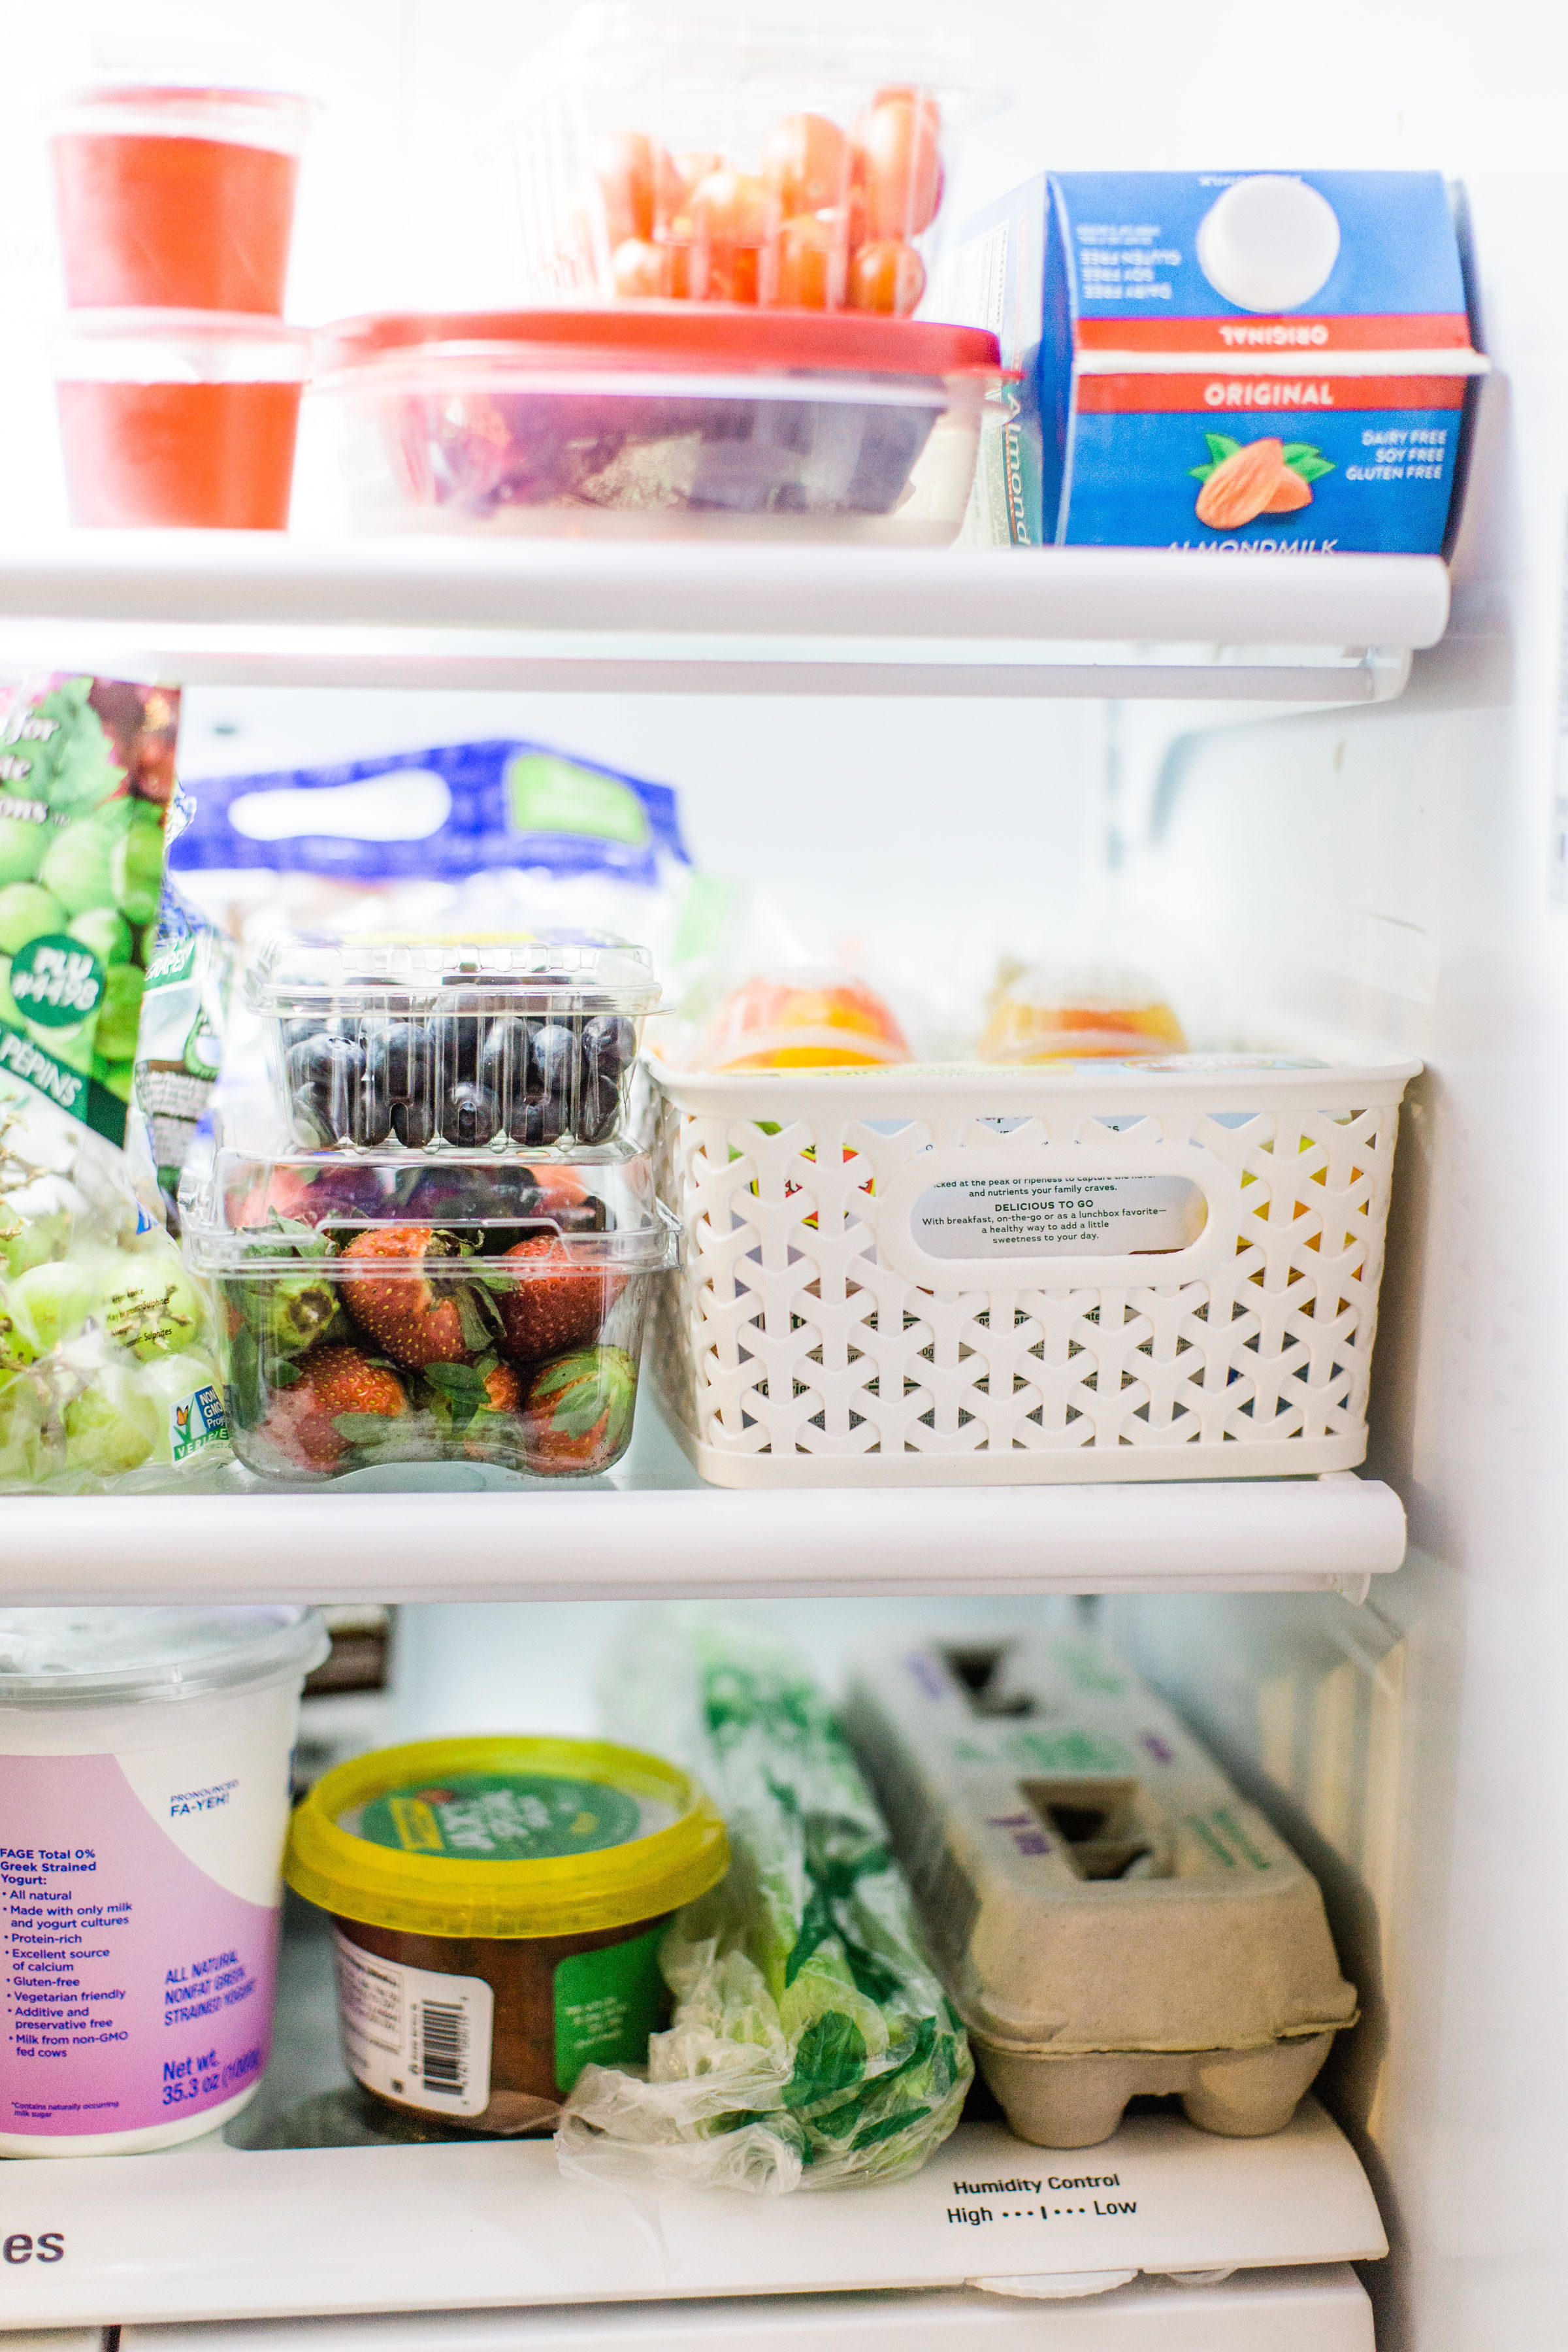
(136, 1989)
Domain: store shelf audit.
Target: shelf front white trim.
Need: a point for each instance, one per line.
(210, 2233)
(676, 617)
(543, 1543)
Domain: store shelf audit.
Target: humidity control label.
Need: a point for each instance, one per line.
(1058, 1216)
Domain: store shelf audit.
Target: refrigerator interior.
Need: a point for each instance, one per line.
(1388, 879)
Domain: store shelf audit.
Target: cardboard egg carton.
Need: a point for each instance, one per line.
(1108, 1914)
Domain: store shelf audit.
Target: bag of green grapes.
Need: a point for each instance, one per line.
(811, 2044)
(106, 1372)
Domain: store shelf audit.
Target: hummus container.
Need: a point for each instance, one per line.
(1110, 1917)
(144, 1799)
(658, 418)
(497, 1907)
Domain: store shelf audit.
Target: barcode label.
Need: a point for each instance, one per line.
(415, 2036)
(443, 2048)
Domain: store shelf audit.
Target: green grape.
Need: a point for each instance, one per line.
(9, 1009)
(120, 1077)
(73, 1047)
(22, 847)
(27, 911)
(138, 865)
(57, 1297)
(19, 1341)
(119, 1013)
(37, 1222)
(149, 1303)
(106, 932)
(24, 1456)
(113, 1425)
(79, 866)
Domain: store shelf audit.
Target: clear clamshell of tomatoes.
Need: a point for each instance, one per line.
(827, 221)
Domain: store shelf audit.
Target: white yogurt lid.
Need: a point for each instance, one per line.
(76, 1657)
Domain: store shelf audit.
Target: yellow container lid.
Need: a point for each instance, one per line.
(505, 1837)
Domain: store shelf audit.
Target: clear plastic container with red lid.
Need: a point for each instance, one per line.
(665, 418)
(705, 161)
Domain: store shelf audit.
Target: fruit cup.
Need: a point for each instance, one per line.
(435, 1045)
(707, 162)
(179, 416)
(177, 198)
(384, 1307)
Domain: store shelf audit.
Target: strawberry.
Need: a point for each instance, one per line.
(305, 1420)
(577, 1412)
(558, 1304)
(415, 1320)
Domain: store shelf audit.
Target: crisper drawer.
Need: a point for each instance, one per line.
(1006, 1276)
(1324, 2310)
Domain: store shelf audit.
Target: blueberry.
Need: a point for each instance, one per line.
(551, 1052)
(456, 1043)
(504, 1057)
(413, 1123)
(539, 1122)
(372, 1121)
(296, 1033)
(469, 1115)
(609, 1046)
(399, 1059)
(324, 1075)
(600, 1107)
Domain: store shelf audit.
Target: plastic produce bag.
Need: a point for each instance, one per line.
(812, 2047)
(185, 1014)
(107, 1370)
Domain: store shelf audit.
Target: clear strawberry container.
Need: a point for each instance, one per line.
(383, 1307)
(435, 1045)
(698, 161)
(660, 418)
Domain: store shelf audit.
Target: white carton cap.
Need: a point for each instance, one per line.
(1269, 243)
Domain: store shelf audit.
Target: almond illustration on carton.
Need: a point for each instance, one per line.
(1263, 477)
(1242, 486)
(1289, 492)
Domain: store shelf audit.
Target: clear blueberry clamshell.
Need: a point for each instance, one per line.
(429, 1043)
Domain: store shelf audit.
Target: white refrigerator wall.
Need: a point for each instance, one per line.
(1386, 873)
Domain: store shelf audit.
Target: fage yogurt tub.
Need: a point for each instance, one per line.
(143, 1802)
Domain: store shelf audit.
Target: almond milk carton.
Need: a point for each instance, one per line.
(1277, 362)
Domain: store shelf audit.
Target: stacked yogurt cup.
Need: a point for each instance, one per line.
(449, 1252)
(178, 383)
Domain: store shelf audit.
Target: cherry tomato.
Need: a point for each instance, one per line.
(811, 256)
(639, 267)
(806, 162)
(729, 220)
(897, 162)
(623, 160)
(887, 276)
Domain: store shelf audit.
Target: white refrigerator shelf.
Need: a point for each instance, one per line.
(460, 1532)
(211, 2232)
(649, 616)
(1324, 2309)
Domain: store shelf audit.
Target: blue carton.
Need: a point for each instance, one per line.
(1268, 362)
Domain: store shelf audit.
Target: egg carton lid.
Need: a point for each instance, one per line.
(325, 972)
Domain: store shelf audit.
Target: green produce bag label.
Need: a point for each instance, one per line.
(87, 773)
(606, 2004)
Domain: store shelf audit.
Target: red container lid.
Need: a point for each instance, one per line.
(675, 334)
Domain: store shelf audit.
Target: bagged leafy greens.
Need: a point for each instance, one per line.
(812, 2045)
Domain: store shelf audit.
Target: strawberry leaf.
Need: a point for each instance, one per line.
(456, 1380)
(362, 1428)
(478, 1318)
(1221, 447)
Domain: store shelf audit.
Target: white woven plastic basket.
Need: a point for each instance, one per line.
(942, 1277)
